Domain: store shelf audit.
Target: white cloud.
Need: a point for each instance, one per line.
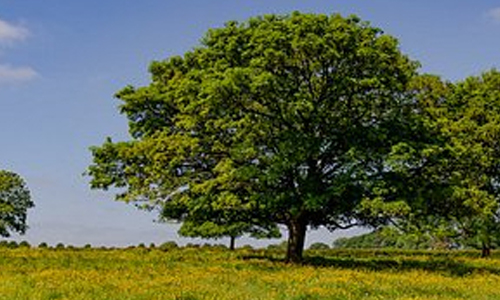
(10, 74)
(10, 32)
(494, 14)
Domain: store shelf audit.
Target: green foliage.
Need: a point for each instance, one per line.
(12, 244)
(416, 169)
(456, 175)
(15, 200)
(246, 247)
(168, 246)
(279, 247)
(474, 135)
(277, 120)
(386, 237)
(24, 244)
(319, 246)
(211, 229)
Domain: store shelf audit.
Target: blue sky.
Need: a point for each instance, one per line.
(62, 61)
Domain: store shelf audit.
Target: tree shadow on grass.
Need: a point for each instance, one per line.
(447, 266)
(439, 265)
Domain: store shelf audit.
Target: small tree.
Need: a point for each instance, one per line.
(15, 200)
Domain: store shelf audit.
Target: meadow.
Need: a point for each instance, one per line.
(216, 273)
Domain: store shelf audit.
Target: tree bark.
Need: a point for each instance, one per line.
(296, 239)
(232, 242)
(486, 250)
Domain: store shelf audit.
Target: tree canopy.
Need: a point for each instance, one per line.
(278, 120)
(450, 174)
(15, 200)
(470, 124)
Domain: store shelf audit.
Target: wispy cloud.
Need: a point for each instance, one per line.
(10, 33)
(494, 14)
(9, 74)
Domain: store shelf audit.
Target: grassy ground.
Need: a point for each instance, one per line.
(210, 273)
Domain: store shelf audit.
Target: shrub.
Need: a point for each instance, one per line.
(12, 244)
(168, 246)
(281, 246)
(246, 247)
(24, 244)
(319, 246)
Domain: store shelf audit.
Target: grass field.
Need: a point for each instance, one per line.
(213, 273)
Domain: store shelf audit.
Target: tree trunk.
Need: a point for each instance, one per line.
(231, 242)
(486, 250)
(296, 239)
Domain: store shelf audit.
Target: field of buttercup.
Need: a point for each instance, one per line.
(215, 273)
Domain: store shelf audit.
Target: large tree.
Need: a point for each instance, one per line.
(15, 200)
(277, 120)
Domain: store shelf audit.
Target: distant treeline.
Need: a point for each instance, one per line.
(390, 237)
